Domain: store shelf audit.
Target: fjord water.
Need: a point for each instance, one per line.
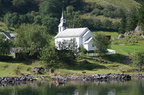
(133, 87)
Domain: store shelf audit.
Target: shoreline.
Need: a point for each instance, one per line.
(101, 77)
(110, 77)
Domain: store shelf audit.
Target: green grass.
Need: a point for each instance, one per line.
(16, 68)
(126, 50)
(126, 45)
(112, 34)
(128, 4)
(65, 72)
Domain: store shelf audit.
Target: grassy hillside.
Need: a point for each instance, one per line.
(128, 45)
(128, 4)
(17, 68)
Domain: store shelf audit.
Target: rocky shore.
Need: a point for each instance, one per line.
(27, 78)
(108, 76)
(15, 80)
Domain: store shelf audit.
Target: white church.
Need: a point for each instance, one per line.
(82, 36)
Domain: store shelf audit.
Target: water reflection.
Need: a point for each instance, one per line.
(134, 87)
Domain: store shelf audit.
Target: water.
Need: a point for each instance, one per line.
(134, 87)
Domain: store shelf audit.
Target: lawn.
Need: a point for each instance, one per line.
(127, 50)
(122, 46)
(16, 68)
(112, 34)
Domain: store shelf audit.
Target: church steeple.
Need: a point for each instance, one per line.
(62, 26)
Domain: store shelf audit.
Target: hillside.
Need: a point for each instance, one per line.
(95, 14)
(126, 4)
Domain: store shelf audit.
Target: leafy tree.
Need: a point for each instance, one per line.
(118, 12)
(77, 4)
(30, 18)
(37, 19)
(24, 6)
(97, 23)
(49, 55)
(109, 11)
(116, 25)
(106, 24)
(51, 7)
(32, 38)
(5, 45)
(101, 42)
(138, 60)
(68, 45)
(23, 19)
(51, 24)
(12, 20)
(67, 51)
(122, 28)
(73, 17)
(62, 56)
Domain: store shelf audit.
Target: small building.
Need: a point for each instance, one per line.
(8, 35)
(83, 36)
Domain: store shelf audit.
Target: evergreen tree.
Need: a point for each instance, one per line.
(123, 22)
(132, 22)
(141, 14)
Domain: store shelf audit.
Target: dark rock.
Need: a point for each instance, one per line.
(38, 70)
(120, 36)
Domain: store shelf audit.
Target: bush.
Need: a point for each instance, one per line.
(82, 50)
(6, 58)
(96, 12)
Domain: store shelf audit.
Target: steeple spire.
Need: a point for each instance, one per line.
(62, 16)
(62, 26)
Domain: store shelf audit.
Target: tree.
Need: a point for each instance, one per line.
(77, 4)
(12, 20)
(107, 24)
(51, 7)
(68, 45)
(132, 22)
(109, 11)
(51, 24)
(122, 28)
(24, 6)
(32, 38)
(138, 60)
(101, 42)
(97, 24)
(67, 51)
(5, 45)
(49, 55)
(116, 25)
(62, 56)
(140, 14)
(73, 17)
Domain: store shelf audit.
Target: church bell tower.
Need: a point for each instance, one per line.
(62, 26)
